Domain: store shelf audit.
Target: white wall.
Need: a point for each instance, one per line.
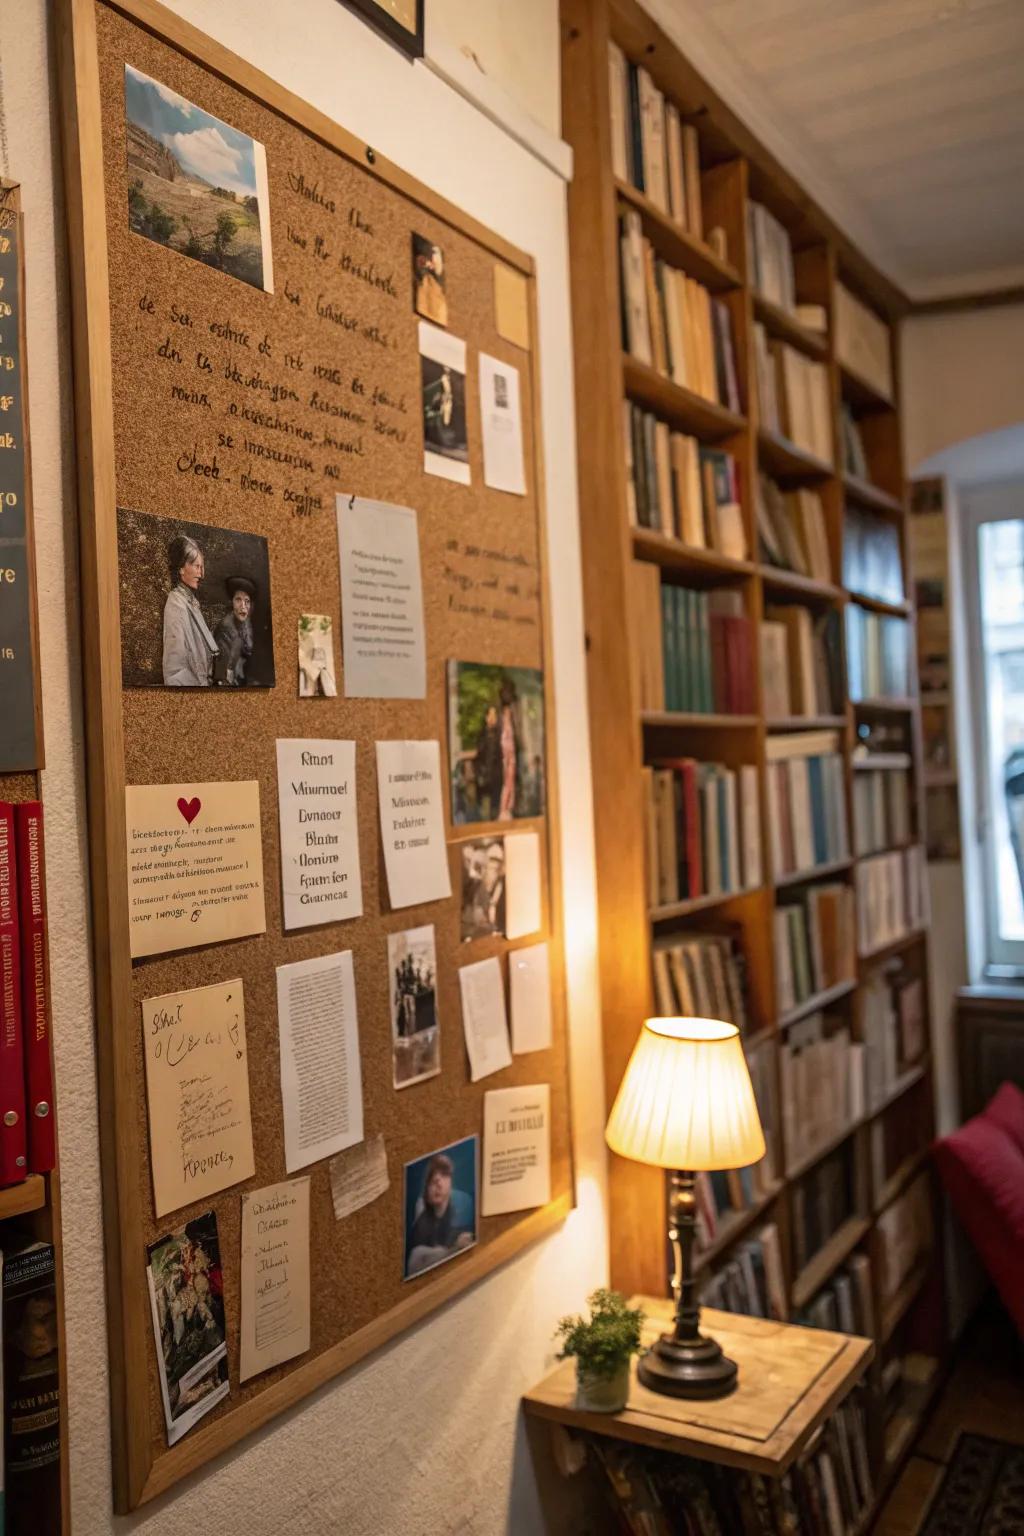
(516, 46)
(422, 1438)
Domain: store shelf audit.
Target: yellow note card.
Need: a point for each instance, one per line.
(511, 306)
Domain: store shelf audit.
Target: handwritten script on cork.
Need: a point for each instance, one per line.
(275, 1276)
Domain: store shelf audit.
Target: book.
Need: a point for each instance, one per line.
(882, 808)
(770, 255)
(671, 322)
(872, 560)
(748, 1282)
(619, 95)
(35, 987)
(13, 1135)
(793, 395)
(812, 658)
(822, 1200)
(821, 1070)
(853, 455)
(862, 342)
(704, 838)
(878, 654)
(806, 802)
(905, 1236)
(707, 651)
(702, 974)
(32, 1407)
(891, 898)
(679, 488)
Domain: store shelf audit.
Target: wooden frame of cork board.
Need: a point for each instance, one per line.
(132, 427)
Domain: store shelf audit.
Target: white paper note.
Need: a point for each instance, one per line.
(483, 1018)
(316, 801)
(517, 1149)
(412, 822)
(275, 1276)
(529, 980)
(522, 877)
(381, 600)
(197, 1086)
(321, 1085)
(502, 420)
(359, 1176)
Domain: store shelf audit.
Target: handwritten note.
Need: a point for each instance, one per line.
(412, 822)
(195, 864)
(197, 1084)
(275, 1276)
(381, 600)
(359, 1176)
(316, 796)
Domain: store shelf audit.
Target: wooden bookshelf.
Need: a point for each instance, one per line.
(734, 168)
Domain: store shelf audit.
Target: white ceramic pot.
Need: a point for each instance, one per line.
(602, 1394)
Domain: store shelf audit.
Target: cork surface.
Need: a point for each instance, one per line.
(187, 394)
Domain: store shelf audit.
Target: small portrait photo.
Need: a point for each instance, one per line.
(429, 297)
(495, 741)
(440, 1206)
(415, 1032)
(483, 888)
(316, 656)
(443, 372)
(195, 605)
(195, 184)
(186, 1287)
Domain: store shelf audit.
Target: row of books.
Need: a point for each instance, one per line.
(814, 939)
(660, 1493)
(701, 975)
(770, 257)
(27, 1140)
(793, 395)
(652, 148)
(872, 560)
(882, 816)
(707, 651)
(877, 655)
(33, 1421)
(846, 1303)
(806, 802)
(905, 1236)
(723, 1195)
(681, 489)
(671, 322)
(703, 830)
(791, 530)
(853, 455)
(822, 1072)
(752, 1281)
(820, 1203)
(893, 1028)
(801, 662)
(892, 898)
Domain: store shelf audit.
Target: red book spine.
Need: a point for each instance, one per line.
(13, 1161)
(35, 991)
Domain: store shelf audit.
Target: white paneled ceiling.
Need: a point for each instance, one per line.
(903, 118)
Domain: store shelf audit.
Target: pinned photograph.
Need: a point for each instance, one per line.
(429, 297)
(443, 373)
(316, 656)
(186, 1290)
(195, 605)
(415, 1032)
(495, 741)
(483, 888)
(440, 1206)
(195, 184)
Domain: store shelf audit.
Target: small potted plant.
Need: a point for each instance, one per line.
(602, 1347)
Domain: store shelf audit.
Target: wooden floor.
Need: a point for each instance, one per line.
(984, 1396)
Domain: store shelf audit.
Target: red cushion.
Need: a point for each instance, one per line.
(982, 1168)
(1006, 1109)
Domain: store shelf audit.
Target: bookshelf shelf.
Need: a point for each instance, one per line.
(785, 461)
(728, 1232)
(683, 408)
(898, 1180)
(816, 1154)
(877, 762)
(816, 1001)
(868, 495)
(686, 720)
(698, 904)
(860, 393)
(20, 1199)
(679, 247)
(905, 1081)
(894, 947)
(779, 322)
(828, 1259)
(816, 872)
(882, 706)
(807, 723)
(879, 605)
(775, 580)
(704, 565)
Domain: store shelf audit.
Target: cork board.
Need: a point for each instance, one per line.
(160, 400)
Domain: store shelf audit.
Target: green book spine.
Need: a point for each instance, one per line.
(688, 638)
(668, 643)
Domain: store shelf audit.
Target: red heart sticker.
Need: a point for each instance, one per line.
(190, 808)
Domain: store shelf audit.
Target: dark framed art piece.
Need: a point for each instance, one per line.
(399, 20)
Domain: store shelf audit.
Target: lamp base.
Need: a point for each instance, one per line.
(687, 1368)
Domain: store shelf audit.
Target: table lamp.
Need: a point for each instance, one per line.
(686, 1103)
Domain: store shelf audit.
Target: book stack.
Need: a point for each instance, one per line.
(822, 1073)
(703, 830)
(707, 652)
(27, 1139)
(701, 975)
(846, 1304)
(770, 256)
(801, 662)
(821, 1202)
(905, 1235)
(793, 395)
(753, 1281)
(814, 944)
(806, 802)
(671, 322)
(877, 655)
(652, 148)
(891, 898)
(862, 342)
(791, 530)
(681, 489)
(854, 457)
(881, 808)
(872, 563)
(892, 1029)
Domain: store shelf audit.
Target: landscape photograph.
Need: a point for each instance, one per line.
(195, 184)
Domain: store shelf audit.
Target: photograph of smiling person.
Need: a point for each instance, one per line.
(195, 184)
(195, 605)
(440, 1206)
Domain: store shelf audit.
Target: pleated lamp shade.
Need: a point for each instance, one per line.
(686, 1100)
